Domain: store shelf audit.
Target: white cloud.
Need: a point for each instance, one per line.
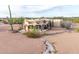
(39, 2)
(31, 6)
(45, 2)
(5, 2)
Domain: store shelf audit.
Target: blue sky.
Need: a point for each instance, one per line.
(39, 8)
(39, 11)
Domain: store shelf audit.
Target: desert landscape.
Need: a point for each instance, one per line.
(18, 43)
(39, 35)
(65, 41)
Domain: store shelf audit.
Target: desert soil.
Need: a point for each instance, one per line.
(17, 42)
(65, 42)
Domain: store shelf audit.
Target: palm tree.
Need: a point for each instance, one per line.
(10, 20)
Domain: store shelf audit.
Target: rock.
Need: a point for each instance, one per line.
(22, 31)
(49, 48)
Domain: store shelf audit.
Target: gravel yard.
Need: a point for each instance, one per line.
(64, 42)
(18, 43)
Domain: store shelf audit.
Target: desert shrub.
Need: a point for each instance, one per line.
(10, 21)
(66, 25)
(34, 33)
(0, 20)
(16, 20)
(20, 20)
(77, 29)
(76, 20)
(62, 25)
(5, 21)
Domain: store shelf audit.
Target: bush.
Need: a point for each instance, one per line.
(20, 20)
(14, 20)
(34, 33)
(5, 21)
(63, 25)
(77, 29)
(76, 20)
(66, 25)
(0, 20)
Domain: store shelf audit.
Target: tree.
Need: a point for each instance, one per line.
(10, 19)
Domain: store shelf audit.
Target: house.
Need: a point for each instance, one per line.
(41, 23)
(57, 22)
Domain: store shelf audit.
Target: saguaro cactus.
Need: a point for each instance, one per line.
(10, 21)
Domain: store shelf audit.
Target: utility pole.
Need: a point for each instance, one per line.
(11, 21)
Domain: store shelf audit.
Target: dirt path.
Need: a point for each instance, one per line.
(18, 43)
